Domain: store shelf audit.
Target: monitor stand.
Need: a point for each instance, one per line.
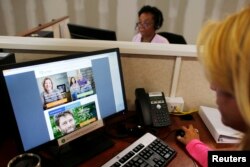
(82, 149)
(126, 127)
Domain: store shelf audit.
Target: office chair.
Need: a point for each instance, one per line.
(173, 38)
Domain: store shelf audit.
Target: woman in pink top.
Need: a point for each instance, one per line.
(223, 50)
(150, 20)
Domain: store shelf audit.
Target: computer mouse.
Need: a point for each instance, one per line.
(180, 132)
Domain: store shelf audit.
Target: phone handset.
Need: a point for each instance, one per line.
(143, 106)
(153, 108)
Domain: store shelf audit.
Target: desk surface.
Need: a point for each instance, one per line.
(8, 149)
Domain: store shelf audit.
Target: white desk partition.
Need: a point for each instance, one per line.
(171, 68)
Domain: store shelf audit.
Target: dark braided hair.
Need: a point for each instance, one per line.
(157, 15)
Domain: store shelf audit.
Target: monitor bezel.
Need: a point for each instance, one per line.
(54, 142)
(91, 33)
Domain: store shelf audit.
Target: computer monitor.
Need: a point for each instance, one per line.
(65, 99)
(5, 58)
(84, 32)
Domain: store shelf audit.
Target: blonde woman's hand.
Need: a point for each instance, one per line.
(190, 134)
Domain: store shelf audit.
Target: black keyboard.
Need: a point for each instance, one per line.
(147, 151)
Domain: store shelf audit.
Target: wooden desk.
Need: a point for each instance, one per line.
(8, 149)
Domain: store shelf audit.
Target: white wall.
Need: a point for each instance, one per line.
(181, 16)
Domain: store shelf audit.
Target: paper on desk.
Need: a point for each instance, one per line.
(221, 133)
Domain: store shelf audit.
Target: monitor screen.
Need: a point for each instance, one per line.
(84, 32)
(66, 97)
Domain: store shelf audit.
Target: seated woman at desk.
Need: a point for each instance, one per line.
(225, 57)
(150, 20)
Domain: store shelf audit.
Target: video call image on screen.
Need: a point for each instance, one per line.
(64, 99)
(65, 87)
(65, 120)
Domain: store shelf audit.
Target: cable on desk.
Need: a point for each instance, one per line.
(190, 111)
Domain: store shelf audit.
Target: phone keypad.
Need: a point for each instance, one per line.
(160, 115)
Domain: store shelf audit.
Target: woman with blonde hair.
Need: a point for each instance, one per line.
(224, 52)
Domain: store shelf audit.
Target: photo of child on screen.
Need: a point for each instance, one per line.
(65, 122)
(49, 94)
(74, 88)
